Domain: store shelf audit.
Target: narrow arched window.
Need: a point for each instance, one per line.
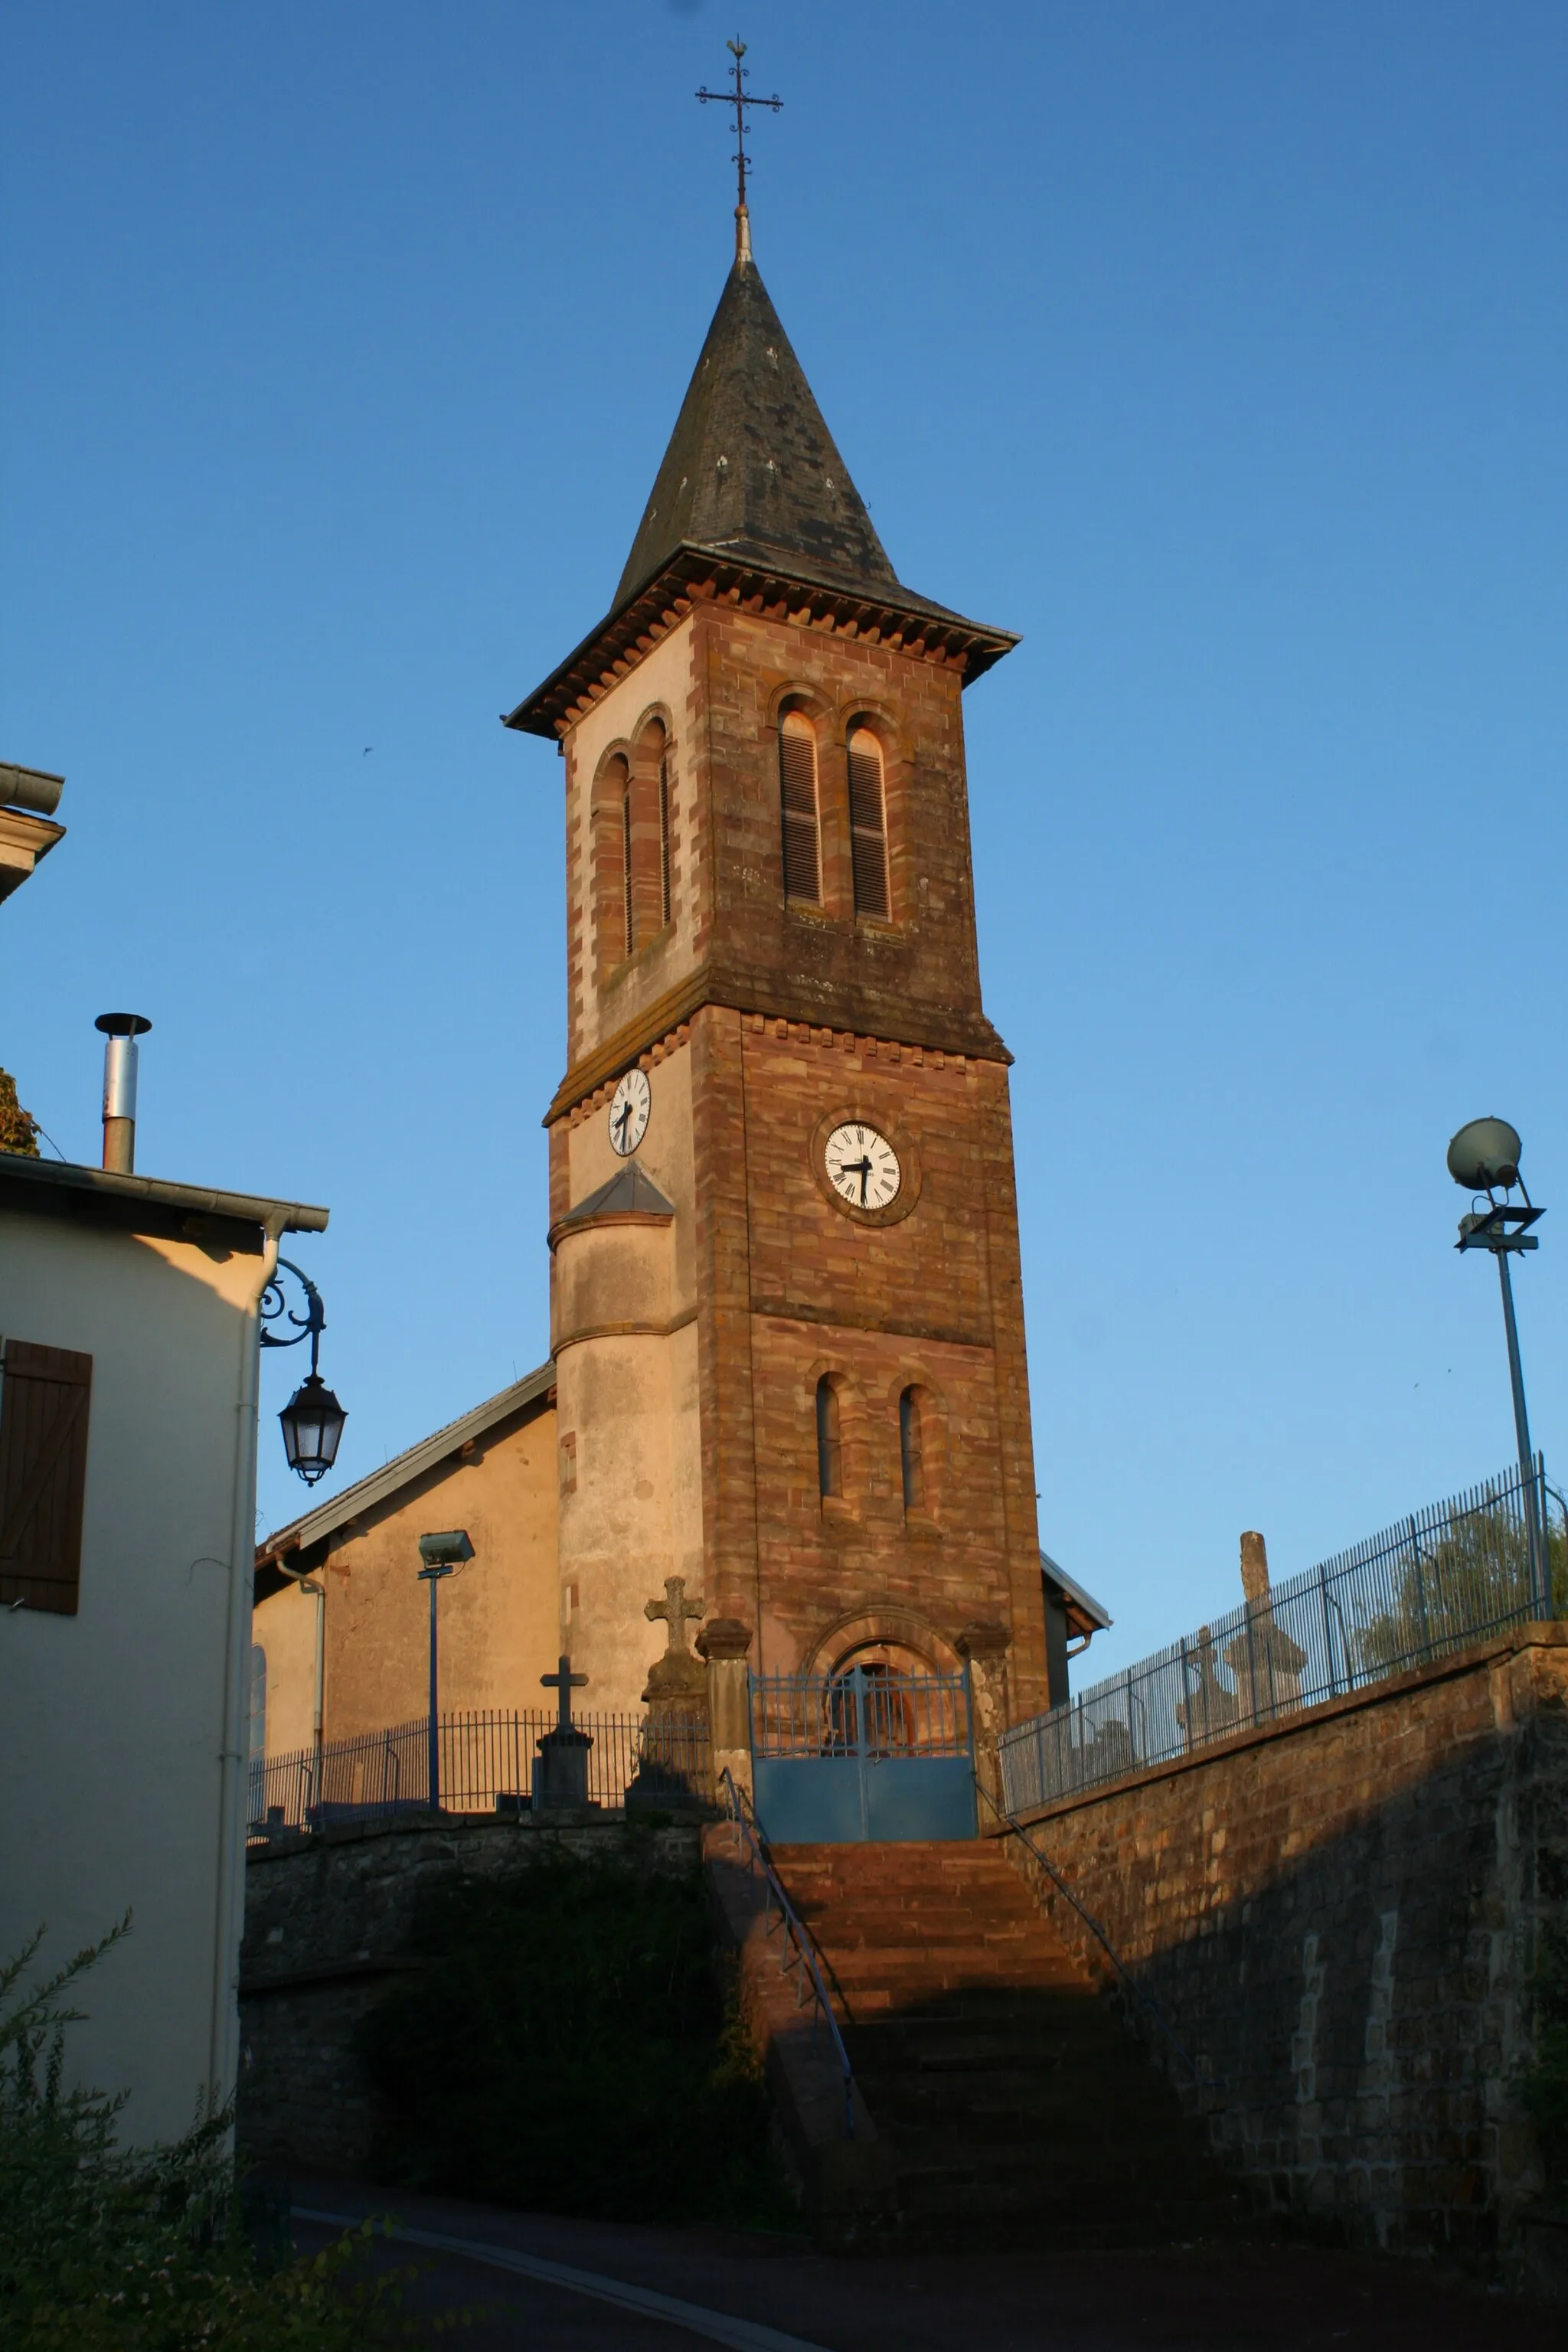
(867, 822)
(830, 1443)
(628, 908)
(910, 1450)
(797, 799)
(664, 837)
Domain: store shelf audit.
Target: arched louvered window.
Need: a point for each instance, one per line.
(829, 1442)
(911, 1450)
(867, 822)
(664, 837)
(627, 905)
(797, 798)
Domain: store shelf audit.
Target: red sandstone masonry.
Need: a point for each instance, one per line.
(1339, 1916)
(797, 1013)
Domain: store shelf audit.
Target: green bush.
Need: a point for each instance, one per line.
(574, 2046)
(142, 2250)
(1474, 1576)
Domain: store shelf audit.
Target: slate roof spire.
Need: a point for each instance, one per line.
(751, 471)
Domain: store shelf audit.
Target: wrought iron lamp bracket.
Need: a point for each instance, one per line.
(275, 1308)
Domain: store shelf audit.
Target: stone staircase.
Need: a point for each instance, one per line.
(1017, 2107)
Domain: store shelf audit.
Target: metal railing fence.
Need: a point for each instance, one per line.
(798, 1951)
(866, 1711)
(487, 1759)
(1445, 1577)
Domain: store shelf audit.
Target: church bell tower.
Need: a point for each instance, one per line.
(786, 1310)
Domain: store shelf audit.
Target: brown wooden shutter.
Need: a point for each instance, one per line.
(868, 825)
(797, 795)
(43, 1473)
(628, 908)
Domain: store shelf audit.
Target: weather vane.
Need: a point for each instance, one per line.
(740, 98)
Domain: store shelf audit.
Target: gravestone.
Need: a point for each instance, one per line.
(674, 1767)
(561, 1767)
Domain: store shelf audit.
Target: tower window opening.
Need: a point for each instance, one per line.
(664, 838)
(797, 797)
(867, 822)
(829, 1442)
(910, 1450)
(629, 911)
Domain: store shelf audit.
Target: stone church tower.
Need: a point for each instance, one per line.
(787, 1314)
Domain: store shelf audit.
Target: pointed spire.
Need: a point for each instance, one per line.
(751, 469)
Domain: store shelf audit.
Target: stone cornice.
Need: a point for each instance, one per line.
(696, 576)
(933, 1028)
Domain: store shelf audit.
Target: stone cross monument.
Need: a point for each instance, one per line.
(561, 1773)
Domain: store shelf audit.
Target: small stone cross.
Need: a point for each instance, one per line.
(676, 1612)
(564, 1682)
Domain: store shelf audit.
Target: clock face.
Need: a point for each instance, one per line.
(629, 1107)
(862, 1167)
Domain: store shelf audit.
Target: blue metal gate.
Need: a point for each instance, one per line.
(868, 1754)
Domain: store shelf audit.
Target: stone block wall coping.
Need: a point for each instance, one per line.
(1541, 1634)
(291, 1843)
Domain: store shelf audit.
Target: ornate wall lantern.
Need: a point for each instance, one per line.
(312, 1420)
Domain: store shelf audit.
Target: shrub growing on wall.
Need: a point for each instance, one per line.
(572, 2047)
(108, 2249)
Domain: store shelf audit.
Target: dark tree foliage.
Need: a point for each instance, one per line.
(1468, 1580)
(574, 2047)
(18, 1128)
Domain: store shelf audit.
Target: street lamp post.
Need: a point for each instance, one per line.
(1484, 1158)
(442, 1554)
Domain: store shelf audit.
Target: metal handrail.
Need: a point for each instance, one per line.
(796, 1931)
(1015, 1828)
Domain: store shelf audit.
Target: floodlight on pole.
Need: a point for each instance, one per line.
(442, 1555)
(1484, 1157)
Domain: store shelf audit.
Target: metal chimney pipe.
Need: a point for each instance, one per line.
(121, 1031)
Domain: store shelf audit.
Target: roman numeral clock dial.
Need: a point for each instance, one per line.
(862, 1167)
(629, 1107)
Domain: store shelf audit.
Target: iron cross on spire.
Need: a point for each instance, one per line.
(740, 98)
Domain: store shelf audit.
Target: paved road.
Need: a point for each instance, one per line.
(764, 2294)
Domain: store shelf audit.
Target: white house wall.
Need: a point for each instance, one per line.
(123, 1728)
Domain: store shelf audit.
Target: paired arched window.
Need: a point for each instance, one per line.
(797, 802)
(867, 822)
(800, 816)
(914, 1439)
(829, 1439)
(911, 1450)
(632, 803)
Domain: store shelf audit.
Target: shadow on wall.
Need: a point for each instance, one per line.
(1341, 1920)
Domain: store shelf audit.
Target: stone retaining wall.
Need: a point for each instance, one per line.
(1339, 1918)
(327, 1926)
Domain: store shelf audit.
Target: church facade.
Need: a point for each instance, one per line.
(787, 1352)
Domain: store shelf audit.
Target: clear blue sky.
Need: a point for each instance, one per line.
(1218, 347)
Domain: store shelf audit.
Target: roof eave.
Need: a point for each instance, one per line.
(404, 1469)
(695, 574)
(274, 1217)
